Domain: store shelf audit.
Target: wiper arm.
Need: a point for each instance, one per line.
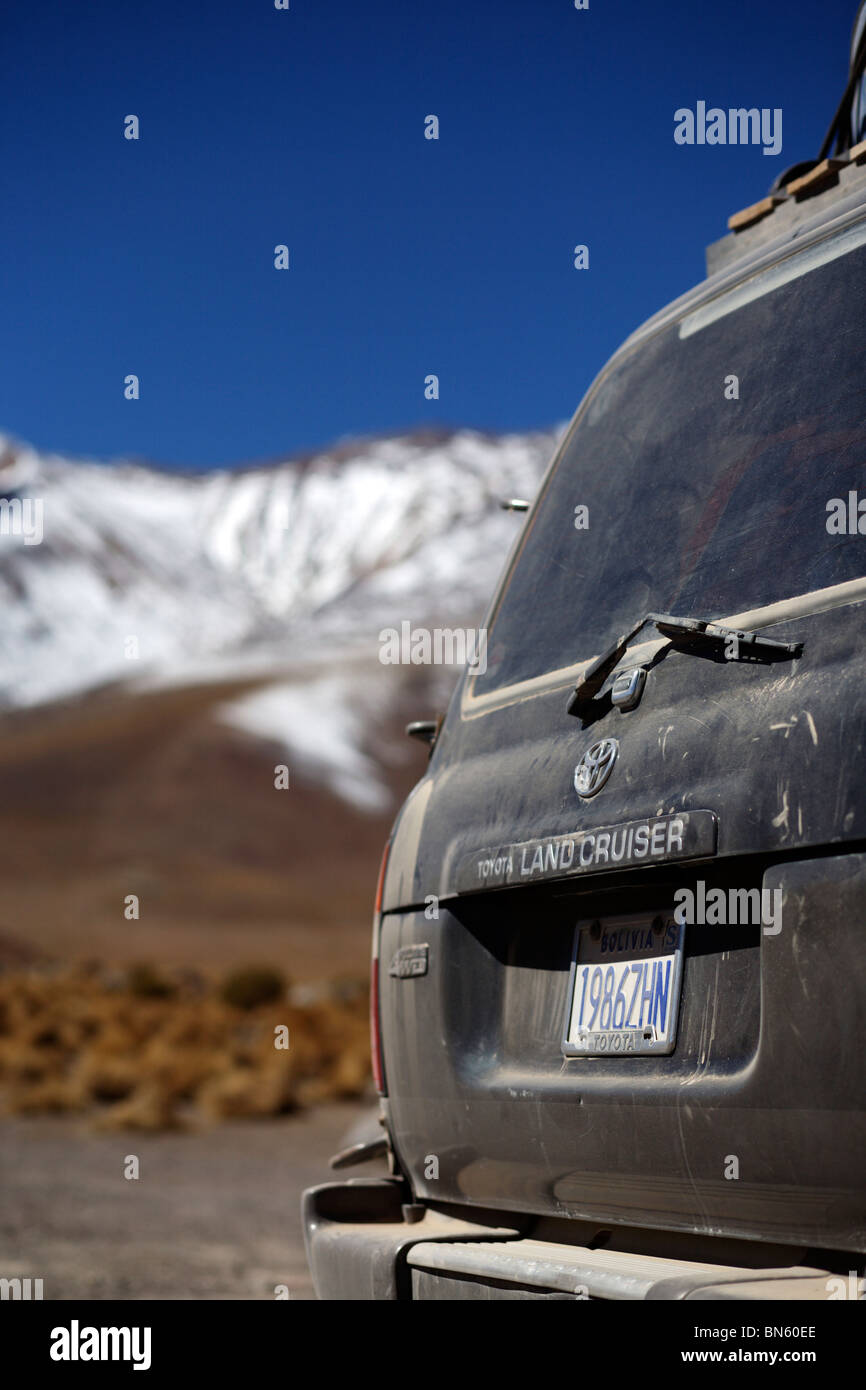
(595, 675)
(685, 632)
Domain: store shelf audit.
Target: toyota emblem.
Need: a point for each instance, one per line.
(595, 767)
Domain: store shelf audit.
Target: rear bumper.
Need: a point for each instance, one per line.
(358, 1239)
(360, 1246)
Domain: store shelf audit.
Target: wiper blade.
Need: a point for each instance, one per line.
(700, 629)
(684, 632)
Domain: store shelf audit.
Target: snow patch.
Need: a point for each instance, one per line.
(321, 726)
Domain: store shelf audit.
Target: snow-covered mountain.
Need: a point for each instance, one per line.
(148, 577)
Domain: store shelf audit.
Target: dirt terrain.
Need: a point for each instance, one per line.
(151, 795)
(213, 1215)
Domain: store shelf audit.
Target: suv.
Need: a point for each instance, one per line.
(619, 979)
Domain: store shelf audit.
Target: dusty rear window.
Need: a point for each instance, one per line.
(704, 495)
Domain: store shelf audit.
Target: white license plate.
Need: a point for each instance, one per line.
(624, 990)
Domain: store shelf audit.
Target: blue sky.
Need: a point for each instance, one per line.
(408, 256)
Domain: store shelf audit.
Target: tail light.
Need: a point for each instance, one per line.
(375, 1027)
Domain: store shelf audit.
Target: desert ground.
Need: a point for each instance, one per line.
(152, 795)
(214, 1214)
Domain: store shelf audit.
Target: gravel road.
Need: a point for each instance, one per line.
(213, 1215)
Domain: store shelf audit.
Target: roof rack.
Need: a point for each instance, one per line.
(818, 179)
(830, 177)
(835, 188)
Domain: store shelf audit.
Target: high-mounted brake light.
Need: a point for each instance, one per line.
(375, 1028)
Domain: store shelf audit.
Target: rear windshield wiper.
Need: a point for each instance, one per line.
(685, 633)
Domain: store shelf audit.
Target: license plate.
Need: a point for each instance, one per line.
(624, 988)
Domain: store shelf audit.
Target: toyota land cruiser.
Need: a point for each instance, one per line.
(619, 976)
